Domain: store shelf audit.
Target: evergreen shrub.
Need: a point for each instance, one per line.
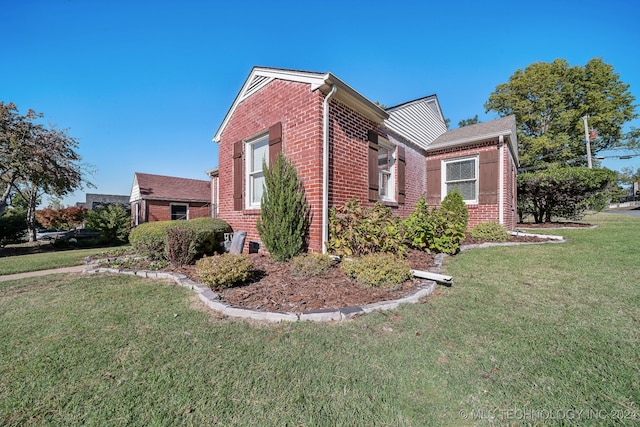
(284, 212)
(490, 231)
(378, 270)
(309, 265)
(181, 246)
(224, 271)
(439, 229)
(150, 239)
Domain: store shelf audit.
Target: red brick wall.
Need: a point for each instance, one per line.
(488, 212)
(348, 155)
(161, 210)
(300, 112)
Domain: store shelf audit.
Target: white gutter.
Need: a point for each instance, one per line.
(325, 169)
(501, 182)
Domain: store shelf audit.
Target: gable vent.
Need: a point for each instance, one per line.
(433, 106)
(256, 84)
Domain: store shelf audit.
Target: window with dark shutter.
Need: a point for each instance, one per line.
(237, 176)
(401, 174)
(433, 182)
(373, 165)
(489, 171)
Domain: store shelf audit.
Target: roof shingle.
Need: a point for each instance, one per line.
(160, 187)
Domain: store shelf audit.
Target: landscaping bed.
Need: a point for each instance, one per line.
(274, 288)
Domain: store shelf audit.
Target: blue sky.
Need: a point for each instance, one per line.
(144, 85)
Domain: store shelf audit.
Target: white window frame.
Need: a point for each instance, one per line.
(444, 181)
(251, 174)
(390, 195)
(171, 205)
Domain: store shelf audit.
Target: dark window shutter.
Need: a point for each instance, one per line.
(237, 176)
(275, 142)
(489, 170)
(373, 165)
(401, 171)
(433, 182)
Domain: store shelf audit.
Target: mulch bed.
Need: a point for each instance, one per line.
(274, 288)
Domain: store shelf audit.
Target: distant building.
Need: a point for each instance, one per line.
(164, 198)
(94, 200)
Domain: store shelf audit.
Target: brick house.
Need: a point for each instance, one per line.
(163, 198)
(344, 145)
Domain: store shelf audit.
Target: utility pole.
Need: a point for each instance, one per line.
(586, 138)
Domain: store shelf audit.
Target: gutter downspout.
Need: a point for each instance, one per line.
(501, 182)
(325, 169)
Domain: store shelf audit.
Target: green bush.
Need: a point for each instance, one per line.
(418, 227)
(491, 231)
(181, 246)
(378, 270)
(284, 213)
(453, 226)
(309, 265)
(355, 230)
(112, 221)
(439, 229)
(150, 239)
(563, 192)
(224, 271)
(13, 225)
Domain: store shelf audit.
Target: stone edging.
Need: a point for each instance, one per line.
(213, 301)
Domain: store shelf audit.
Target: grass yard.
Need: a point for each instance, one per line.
(528, 335)
(47, 260)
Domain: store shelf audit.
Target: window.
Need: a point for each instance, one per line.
(463, 175)
(386, 161)
(179, 211)
(257, 153)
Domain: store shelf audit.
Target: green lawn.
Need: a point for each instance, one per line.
(528, 335)
(47, 260)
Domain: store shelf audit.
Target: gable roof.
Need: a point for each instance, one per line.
(170, 188)
(261, 76)
(504, 126)
(420, 121)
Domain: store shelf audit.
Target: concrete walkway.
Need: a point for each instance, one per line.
(75, 269)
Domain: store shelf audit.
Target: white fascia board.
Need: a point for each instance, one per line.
(352, 98)
(323, 82)
(314, 79)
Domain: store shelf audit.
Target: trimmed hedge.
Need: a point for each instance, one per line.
(150, 239)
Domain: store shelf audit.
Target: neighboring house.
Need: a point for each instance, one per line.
(93, 200)
(345, 146)
(163, 198)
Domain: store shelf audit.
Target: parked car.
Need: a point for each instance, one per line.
(51, 233)
(83, 233)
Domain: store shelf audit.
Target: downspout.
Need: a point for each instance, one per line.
(325, 169)
(501, 181)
